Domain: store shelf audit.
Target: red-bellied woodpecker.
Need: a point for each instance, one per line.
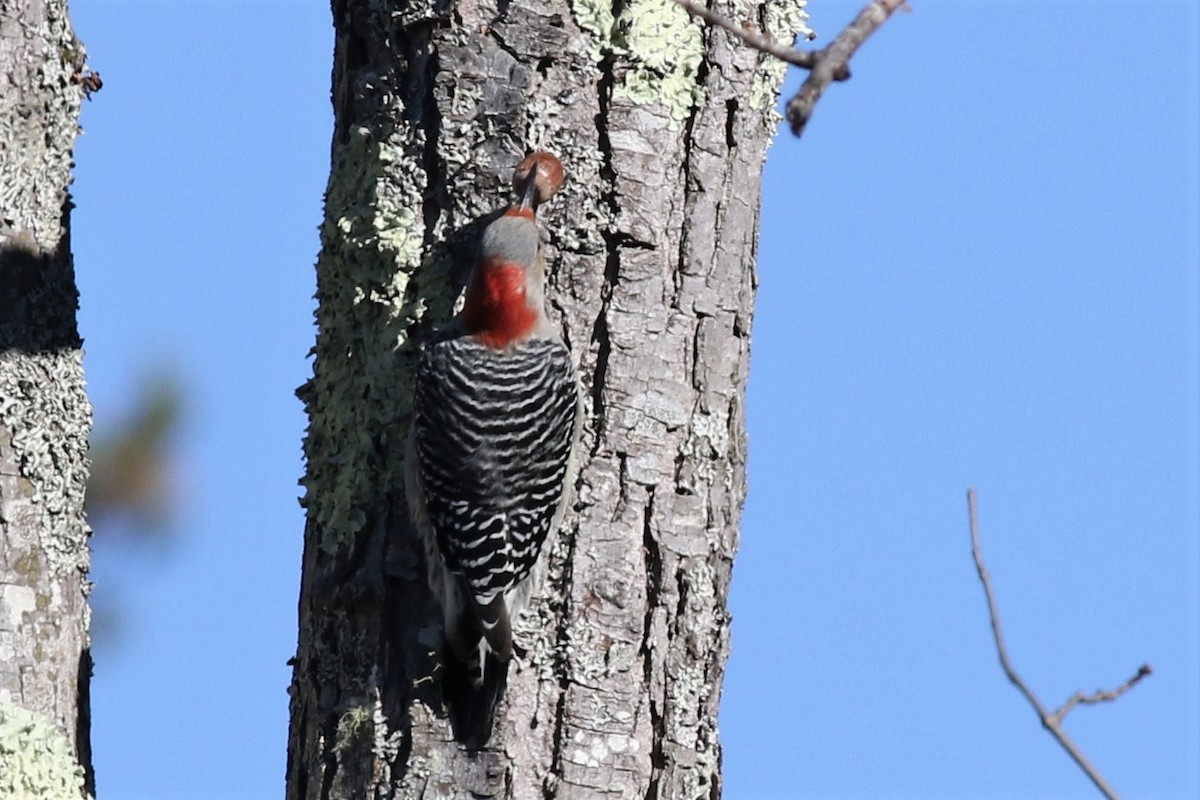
(491, 457)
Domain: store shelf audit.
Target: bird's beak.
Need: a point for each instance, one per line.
(529, 191)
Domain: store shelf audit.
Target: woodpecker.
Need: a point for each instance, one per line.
(492, 451)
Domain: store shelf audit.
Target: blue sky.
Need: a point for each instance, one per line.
(981, 266)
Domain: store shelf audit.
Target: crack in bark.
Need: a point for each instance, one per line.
(696, 366)
(501, 14)
(399, 690)
(653, 557)
(612, 262)
(561, 667)
(353, 55)
(83, 721)
(600, 333)
(689, 127)
(731, 108)
(294, 771)
(435, 169)
(329, 736)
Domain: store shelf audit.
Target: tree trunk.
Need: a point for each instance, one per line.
(45, 418)
(662, 126)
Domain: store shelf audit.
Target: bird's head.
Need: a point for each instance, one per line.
(535, 180)
(505, 296)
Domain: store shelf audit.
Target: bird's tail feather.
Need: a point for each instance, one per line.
(495, 626)
(471, 689)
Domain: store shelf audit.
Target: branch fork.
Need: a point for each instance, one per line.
(828, 65)
(1051, 721)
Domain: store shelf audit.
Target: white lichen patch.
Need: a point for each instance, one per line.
(37, 761)
(686, 693)
(709, 434)
(466, 100)
(387, 742)
(544, 117)
(43, 405)
(591, 749)
(39, 124)
(16, 601)
(580, 234)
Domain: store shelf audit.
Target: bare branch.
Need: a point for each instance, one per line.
(1051, 722)
(806, 59)
(833, 61)
(825, 66)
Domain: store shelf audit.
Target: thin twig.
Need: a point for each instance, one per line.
(833, 61)
(1100, 695)
(1051, 722)
(806, 59)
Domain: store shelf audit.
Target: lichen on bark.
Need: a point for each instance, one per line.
(37, 760)
(45, 417)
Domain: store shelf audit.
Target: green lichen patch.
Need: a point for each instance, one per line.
(665, 46)
(372, 241)
(37, 761)
(596, 17)
(355, 728)
(657, 47)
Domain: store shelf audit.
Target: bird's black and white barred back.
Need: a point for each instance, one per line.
(493, 434)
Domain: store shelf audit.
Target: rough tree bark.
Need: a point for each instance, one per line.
(663, 126)
(45, 417)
